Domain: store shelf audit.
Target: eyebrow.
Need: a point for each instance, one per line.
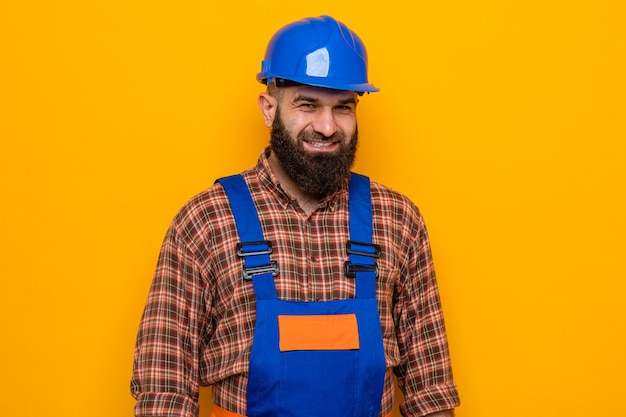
(298, 98)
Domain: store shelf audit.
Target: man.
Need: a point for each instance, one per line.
(297, 288)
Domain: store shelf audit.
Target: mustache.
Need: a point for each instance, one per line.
(313, 136)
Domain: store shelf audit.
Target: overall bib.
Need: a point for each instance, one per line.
(313, 359)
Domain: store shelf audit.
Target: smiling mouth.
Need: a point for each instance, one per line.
(321, 145)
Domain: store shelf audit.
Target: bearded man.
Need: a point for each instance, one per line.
(298, 288)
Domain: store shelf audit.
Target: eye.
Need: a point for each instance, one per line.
(344, 108)
(306, 106)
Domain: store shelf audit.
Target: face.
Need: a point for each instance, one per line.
(314, 137)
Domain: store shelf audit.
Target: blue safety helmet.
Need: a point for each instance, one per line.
(317, 51)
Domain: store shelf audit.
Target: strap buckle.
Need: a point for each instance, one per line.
(256, 248)
(370, 250)
(375, 249)
(351, 269)
(249, 272)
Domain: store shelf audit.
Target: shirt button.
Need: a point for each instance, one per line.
(313, 259)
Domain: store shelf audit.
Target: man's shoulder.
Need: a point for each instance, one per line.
(204, 205)
(212, 197)
(385, 195)
(395, 215)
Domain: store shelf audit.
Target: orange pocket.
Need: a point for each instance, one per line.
(318, 332)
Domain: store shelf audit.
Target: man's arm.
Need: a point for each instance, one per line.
(447, 413)
(165, 374)
(424, 374)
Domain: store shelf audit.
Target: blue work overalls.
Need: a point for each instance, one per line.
(312, 359)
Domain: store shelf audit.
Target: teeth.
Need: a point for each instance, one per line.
(321, 144)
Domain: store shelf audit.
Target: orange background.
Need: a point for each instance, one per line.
(505, 121)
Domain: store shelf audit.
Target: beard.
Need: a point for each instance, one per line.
(318, 174)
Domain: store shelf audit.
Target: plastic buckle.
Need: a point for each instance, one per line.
(241, 246)
(249, 272)
(352, 251)
(351, 269)
(259, 247)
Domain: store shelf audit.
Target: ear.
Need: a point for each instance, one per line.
(268, 105)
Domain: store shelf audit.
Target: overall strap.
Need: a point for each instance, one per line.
(362, 252)
(253, 248)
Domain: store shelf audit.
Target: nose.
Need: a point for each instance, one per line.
(325, 123)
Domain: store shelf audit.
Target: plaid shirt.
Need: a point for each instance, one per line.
(198, 323)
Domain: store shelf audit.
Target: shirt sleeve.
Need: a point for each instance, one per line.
(424, 374)
(165, 379)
